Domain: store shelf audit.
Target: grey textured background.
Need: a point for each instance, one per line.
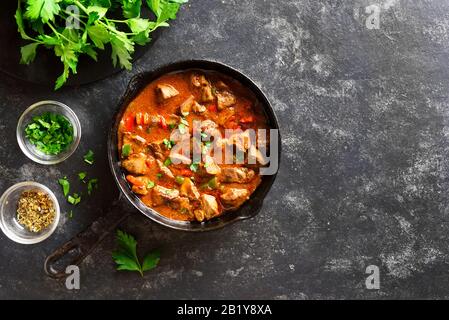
(365, 123)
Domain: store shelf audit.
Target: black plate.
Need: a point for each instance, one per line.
(47, 67)
(251, 207)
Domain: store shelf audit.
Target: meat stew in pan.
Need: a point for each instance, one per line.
(205, 113)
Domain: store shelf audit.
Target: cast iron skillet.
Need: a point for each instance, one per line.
(81, 246)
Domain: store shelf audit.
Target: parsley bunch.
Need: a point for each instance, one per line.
(45, 24)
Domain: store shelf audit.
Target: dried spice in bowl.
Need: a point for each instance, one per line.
(35, 211)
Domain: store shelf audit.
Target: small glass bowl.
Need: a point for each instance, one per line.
(36, 110)
(8, 214)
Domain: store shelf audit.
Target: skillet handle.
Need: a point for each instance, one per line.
(78, 248)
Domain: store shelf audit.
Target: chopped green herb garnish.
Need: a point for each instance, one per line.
(126, 256)
(82, 176)
(172, 126)
(167, 162)
(169, 191)
(91, 184)
(203, 135)
(168, 143)
(150, 184)
(50, 133)
(182, 128)
(179, 179)
(75, 199)
(194, 166)
(159, 175)
(126, 150)
(89, 157)
(213, 183)
(65, 184)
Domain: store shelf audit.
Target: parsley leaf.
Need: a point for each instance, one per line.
(126, 150)
(65, 184)
(167, 162)
(151, 260)
(42, 9)
(122, 48)
(131, 8)
(126, 255)
(165, 9)
(194, 166)
(28, 53)
(99, 11)
(91, 184)
(138, 25)
(99, 35)
(74, 199)
(150, 184)
(82, 175)
(62, 78)
(89, 157)
(168, 143)
(20, 24)
(69, 57)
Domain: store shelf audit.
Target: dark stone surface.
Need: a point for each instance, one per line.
(364, 116)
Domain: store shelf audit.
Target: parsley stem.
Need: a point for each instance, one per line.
(80, 5)
(117, 21)
(58, 34)
(112, 29)
(54, 30)
(35, 40)
(76, 16)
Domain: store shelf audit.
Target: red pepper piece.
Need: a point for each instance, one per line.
(162, 122)
(247, 119)
(212, 108)
(129, 123)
